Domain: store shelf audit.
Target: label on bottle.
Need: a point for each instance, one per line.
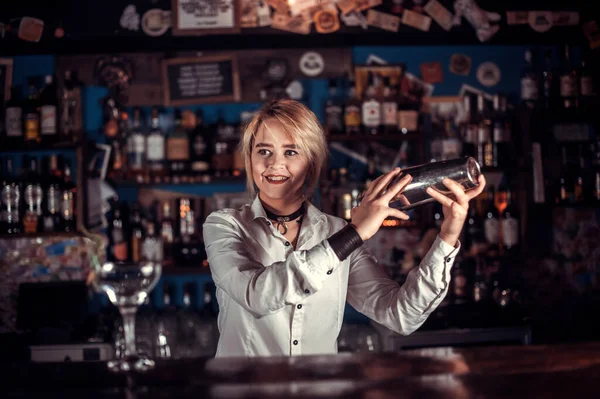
(587, 86)
(67, 208)
(32, 126)
(33, 198)
(53, 199)
(155, 148)
(48, 223)
(529, 89)
(490, 229)
(568, 86)
(371, 113)
(48, 116)
(498, 133)
(390, 113)
(408, 121)
(136, 144)
(352, 116)
(199, 146)
(30, 222)
(471, 134)
(333, 119)
(152, 249)
(178, 149)
(483, 134)
(14, 125)
(510, 231)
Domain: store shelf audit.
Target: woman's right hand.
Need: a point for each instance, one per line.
(374, 208)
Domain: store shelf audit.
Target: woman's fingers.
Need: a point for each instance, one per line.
(458, 191)
(476, 191)
(381, 184)
(439, 197)
(397, 188)
(397, 213)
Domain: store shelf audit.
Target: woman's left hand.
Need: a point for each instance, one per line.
(455, 210)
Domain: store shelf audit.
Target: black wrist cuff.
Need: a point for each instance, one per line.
(345, 241)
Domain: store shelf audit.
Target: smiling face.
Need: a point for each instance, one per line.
(279, 168)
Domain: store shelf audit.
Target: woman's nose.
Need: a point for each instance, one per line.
(277, 161)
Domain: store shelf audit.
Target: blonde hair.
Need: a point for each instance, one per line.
(304, 127)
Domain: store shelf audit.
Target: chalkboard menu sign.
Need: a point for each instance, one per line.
(200, 80)
(5, 79)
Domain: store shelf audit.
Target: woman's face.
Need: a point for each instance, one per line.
(279, 168)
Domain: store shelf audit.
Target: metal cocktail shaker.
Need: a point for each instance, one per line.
(464, 171)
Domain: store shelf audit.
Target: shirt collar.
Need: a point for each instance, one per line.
(313, 215)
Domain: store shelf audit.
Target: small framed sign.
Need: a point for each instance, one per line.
(6, 67)
(196, 80)
(205, 17)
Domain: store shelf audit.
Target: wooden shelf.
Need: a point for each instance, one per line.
(178, 271)
(25, 147)
(380, 137)
(39, 235)
(213, 180)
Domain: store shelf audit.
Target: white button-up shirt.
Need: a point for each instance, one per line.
(275, 300)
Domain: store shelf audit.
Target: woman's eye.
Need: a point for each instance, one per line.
(264, 152)
(291, 152)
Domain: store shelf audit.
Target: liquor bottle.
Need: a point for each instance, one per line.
(52, 215)
(500, 154)
(474, 232)
(485, 154)
(155, 148)
(565, 194)
(136, 233)
(116, 234)
(189, 324)
(569, 84)
(208, 335)
(408, 105)
(352, 110)
(491, 222)
(68, 205)
(31, 113)
(389, 107)
(222, 159)
(345, 207)
(480, 286)
(460, 287)
(469, 128)
(33, 196)
(595, 151)
(14, 118)
(49, 111)
(371, 108)
(200, 160)
(510, 217)
(548, 82)
(11, 199)
(111, 117)
(152, 246)
(166, 326)
(334, 124)
(587, 89)
(529, 82)
(136, 148)
(71, 106)
(167, 233)
(579, 181)
(178, 150)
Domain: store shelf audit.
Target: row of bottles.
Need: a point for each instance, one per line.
(176, 332)
(167, 232)
(146, 151)
(579, 180)
(486, 132)
(40, 198)
(566, 91)
(46, 115)
(387, 105)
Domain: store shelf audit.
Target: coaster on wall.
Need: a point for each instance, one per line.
(488, 74)
(156, 22)
(460, 64)
(312, 64)
(130, 19)
(541, 21)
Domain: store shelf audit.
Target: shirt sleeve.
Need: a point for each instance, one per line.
(405, 308)
(262, 289)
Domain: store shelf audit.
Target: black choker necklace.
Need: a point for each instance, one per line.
(282, 220)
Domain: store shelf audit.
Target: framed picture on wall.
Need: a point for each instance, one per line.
(6, 67)
(205, 17)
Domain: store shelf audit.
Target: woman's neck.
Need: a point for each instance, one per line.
(281, 206)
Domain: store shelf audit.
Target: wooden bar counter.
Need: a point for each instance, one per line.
(558, 371)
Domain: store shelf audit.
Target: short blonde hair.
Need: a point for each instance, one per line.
(304, 127)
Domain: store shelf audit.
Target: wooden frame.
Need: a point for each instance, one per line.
(235, 77)
(7, 65)
(178, 31)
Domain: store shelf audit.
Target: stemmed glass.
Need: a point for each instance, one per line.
(127, 285)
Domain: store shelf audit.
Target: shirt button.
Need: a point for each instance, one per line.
(299, 306)
(306, 291)
(268, 223)
(448, 260)
(295, 342)
(328, 271)
(287, 244)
